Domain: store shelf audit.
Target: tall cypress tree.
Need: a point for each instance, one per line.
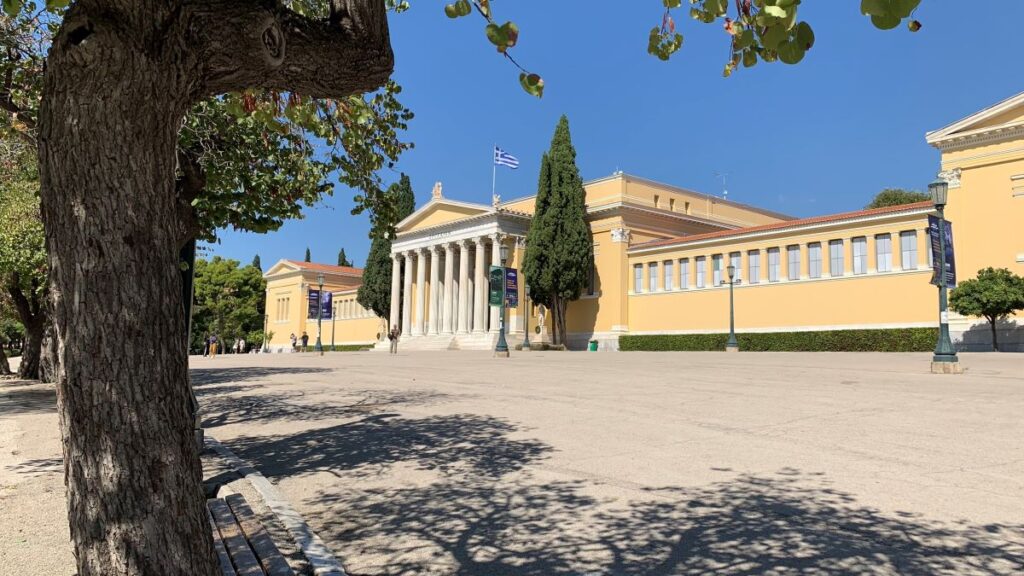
(342, 259)
(375, 292)
(256, 263)
(308, 256)
(559, 249)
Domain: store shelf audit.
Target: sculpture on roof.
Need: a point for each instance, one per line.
(437, 190)
(495, 200)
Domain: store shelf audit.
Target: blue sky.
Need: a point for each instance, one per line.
(823, 136)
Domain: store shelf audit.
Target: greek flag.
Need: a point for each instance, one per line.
(502, 158)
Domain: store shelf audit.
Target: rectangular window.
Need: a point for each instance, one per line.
(657, 201)
(672, 204)
(835, 258)
(701, 270)
(793, 262)
(684, 273)
(860, 255)
(716, 267)
(638, 278)
(773, 264)
(670, 274)
(908, 250)
(734, 261)
(652, 277)
(814, 259)
(883, 252)
(754, 266)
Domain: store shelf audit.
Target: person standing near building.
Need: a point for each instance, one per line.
(206, 345)
(213, 345)
(305, 340)
(393, 336)
(294, 342)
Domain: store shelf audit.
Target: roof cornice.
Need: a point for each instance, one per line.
(953, 136)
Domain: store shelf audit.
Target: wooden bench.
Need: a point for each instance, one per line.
(243, 545)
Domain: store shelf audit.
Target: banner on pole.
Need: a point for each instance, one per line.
(511, 288)
(935, 246)
(326, 305)
(313, 306)
(495, 282)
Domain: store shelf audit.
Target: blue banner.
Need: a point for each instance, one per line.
(314, 304)
(511, 288)
(935, 241)
(326, 303)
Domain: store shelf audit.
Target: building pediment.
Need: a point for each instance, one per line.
(999, 122)
(440, 211)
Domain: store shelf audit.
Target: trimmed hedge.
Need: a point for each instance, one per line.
(885, 340)
(347, 348)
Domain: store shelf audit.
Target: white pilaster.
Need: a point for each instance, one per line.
(435, 285)
(464, 287)
(407, 295)
(419, 326)
(449, 279)
(396, 289)
(480, 287)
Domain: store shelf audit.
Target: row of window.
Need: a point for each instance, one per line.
(350, 309)
(815, 263)
(282, 308)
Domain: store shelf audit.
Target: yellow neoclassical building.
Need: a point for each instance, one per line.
(661, 251)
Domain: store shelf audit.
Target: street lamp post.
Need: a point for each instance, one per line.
(732, 345)
(501, 349)
(945, 354)
(319, 313)
(526, 319)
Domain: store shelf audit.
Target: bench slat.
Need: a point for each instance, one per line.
(241, 555)
(267, 553)
(222, 554)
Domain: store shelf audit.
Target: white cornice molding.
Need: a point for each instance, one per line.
(951, 133)
(782, 230)
(981, 137)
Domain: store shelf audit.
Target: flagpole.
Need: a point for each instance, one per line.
(494, 172)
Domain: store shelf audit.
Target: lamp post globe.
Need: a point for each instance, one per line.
(731, 345)
(319, 312)
(501, 349)
(944, 351)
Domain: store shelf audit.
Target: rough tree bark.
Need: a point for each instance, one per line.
(992, 326)
(120, 76)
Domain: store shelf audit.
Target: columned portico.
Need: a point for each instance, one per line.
(432, 311)
(407, 294)
(419, 325)
(447, 310)
(396, 291)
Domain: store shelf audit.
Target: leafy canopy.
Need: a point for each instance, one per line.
(897, 197)
(229, 302)
(994, 294)
(375, 291)
(22, 240)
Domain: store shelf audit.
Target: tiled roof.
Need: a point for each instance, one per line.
(347, 270)
(830, 218)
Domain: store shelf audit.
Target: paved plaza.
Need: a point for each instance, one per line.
(618, 463)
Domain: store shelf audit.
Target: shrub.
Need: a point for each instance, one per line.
(884, 340)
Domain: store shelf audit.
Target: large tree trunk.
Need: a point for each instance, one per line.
(28, 369)
(108, 133)
(5, 367)
(120, 76)
(995, 342)
(32, 313)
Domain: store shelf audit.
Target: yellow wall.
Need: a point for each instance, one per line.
(355, 325)
(440, 215)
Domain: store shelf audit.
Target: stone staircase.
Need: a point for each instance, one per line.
(477, 341)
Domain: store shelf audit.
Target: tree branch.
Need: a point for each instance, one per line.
(244, 44)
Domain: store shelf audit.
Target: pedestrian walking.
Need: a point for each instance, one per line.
(213, 345)
(393, 336)
(305, 340)
(206, 345)
(241, 346)
(294, 341)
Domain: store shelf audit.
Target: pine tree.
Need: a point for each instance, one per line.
(342, 259)
(559, 249)
(308, 258)
(375, 292)
(256, 263)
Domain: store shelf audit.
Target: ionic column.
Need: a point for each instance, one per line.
(407, 295)
(435, 268)
(464, 287)
(449, 280)
(495, 261)
(419, 326)
(479, 287)
(396, 289)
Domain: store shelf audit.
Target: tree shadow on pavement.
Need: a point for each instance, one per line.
(788, 523)
(223, 409)
(19, 397)
(206, 376)
(455, 444)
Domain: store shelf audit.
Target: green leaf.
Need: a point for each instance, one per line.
(532, 84)
(791, 52)
(886, 22)
(805, 35)
(775, 11)
(12, 7)
(56, 5)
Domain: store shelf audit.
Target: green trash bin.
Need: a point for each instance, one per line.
(593, 346)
